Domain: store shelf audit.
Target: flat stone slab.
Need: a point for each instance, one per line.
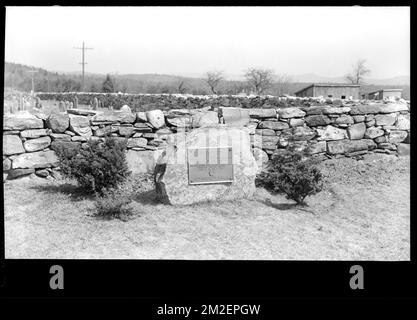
(82, 112)
(40, 159)
(171, 172)
(21, 121)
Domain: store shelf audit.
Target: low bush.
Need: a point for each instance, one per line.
(113, 203)
(292, 173)
(97, 166)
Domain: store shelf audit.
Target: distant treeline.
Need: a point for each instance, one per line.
(16, 76)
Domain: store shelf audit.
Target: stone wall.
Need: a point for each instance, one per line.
(146, 102)
(331, 128)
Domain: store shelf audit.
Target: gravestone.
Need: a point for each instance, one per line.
(95, 103)
(61, 106)
(38, 102)
(75, 102)
(212, 163)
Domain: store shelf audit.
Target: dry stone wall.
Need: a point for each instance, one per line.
(332, 128)
(146, 102)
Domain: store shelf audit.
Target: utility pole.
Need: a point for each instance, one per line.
(83, 63)
(33, 82)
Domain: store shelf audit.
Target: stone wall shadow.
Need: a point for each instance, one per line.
(73, 191)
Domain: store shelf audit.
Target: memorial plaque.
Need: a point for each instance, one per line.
(210, 165)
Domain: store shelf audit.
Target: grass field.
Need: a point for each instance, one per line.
(363, 214)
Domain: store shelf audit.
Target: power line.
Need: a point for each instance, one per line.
(83, 63)
(33, 82)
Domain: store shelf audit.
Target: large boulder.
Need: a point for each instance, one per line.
(140, 162)
(40, 159)
(234, 116)
(32, 145)
(21, 121)
(12, 144)
(80, 125)
(34, 133)
(156, 118)
(171, 173)
(58, 122)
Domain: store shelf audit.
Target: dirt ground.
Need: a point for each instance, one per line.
(363, 214)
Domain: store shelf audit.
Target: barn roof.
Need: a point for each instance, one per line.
(337, 85)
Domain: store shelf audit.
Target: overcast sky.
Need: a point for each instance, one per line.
(192, 40)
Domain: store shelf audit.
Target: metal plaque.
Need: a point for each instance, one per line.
(210, 165)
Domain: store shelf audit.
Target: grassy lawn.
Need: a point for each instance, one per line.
(363, 214)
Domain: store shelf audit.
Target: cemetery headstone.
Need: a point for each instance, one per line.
(61, 106)
(38, 103)
(75, 102)
(95, 103)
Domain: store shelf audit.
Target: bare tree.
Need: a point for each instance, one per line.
(359, 71)
(283, 83)
(181, 87)
(213, 79)
(259, 79)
